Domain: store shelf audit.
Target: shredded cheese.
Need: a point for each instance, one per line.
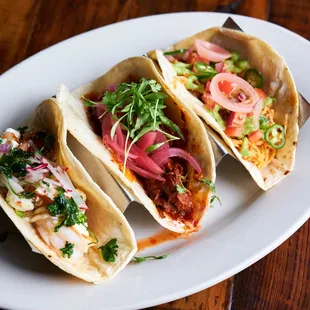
(262, 153)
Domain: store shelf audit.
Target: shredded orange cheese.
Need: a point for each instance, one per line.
(261, 152)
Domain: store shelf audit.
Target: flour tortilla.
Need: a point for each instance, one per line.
(104, 218)
(197, 142)
(278, 82)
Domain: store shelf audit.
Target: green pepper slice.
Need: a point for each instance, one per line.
(191, 85)
(254, 78)
(180, 51)
(204, 68)
(275, 136)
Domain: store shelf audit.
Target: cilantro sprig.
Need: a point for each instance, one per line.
(139, 109)
(67, 209)
(138, 260)
(15, 162)
(67, 250)
(213, 190)
(109, 250)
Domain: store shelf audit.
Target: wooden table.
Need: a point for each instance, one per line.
(281, 280)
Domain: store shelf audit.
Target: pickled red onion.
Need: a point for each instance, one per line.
(223, 101)
(147, 140)
(119, 150)
(162, 157)
(211, 51)
(142, 172)
(256, 112)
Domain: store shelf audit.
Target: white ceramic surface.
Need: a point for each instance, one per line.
(249, 225)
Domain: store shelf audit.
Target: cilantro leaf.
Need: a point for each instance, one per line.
(210, 183)
(67, 250)
(181, 189)
(109, 250)
(15, 162)
(88, 102)
(212, 188)
(66, 209)
(138, 260)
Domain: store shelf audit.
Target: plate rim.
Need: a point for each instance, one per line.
(257, 255)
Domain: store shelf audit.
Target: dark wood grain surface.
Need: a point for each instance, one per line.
(281, 280)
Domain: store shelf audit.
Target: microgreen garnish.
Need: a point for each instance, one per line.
(88, 102)
(138, 260)
(138, 107)
(67, 250)
(15, 163)
(109, 250)
(212, 188)
(67, 209)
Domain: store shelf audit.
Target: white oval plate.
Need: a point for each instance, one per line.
(249, 225)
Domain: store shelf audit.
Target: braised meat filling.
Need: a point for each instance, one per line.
(179, 205)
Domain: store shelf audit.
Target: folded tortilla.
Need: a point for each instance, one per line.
(278, 82)
(197, 142)
(103, 218)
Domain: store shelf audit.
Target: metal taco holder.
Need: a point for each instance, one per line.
(124, 198)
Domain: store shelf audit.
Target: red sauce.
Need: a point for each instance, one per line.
(161, 237)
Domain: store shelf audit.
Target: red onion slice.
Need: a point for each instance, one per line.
(211, 51)
(228, 104)
(162, 157)
(5, 148)
(147, 140)
(143, 173)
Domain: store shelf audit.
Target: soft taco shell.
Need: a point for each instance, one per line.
(278, 82)
(198, 143)
(104, 218)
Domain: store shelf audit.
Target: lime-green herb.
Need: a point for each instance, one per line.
(138, 260)
(67, 250)
(109, 250)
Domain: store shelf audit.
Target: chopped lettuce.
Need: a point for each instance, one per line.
(248, 126)
(215, 114)
(182, 68)
(245, 148)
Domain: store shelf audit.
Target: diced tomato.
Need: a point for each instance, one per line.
(233, 131)
(208, 86)
(226, 87)
(208, 101)
(250, 114)
(260, 93)
(236, 119)
(256, 136)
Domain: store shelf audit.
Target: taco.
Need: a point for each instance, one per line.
(244, 90)
(153, 146)
(54, 203)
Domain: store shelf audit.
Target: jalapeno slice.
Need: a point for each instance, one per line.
(254, 78)
(275, 136)
(180, 51)
(204, 68)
